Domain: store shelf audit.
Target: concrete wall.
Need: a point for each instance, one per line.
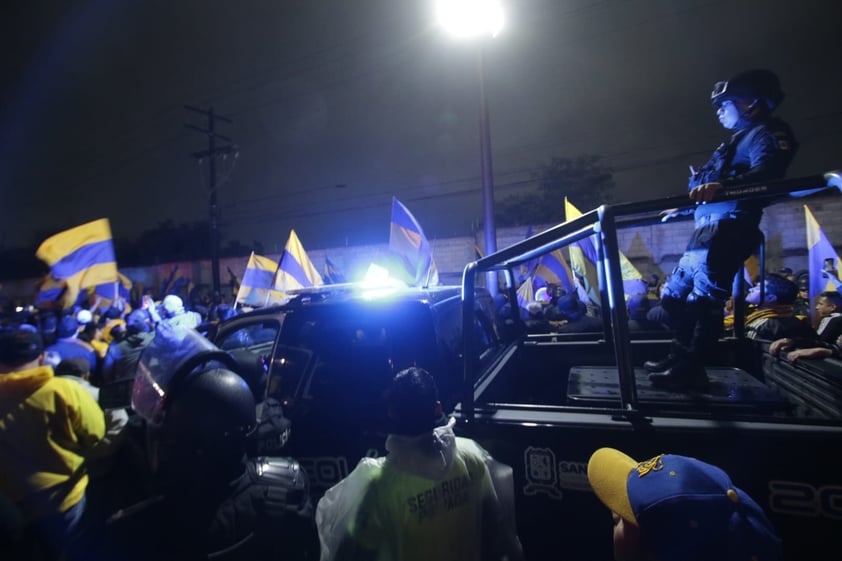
(652, 249)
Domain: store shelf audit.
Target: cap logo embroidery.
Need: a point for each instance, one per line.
(655, 464)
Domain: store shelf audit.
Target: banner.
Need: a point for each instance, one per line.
(108, 292)
(407, 241)
(583, 258)
(50, 293)
(332, 274)
(82, 256)
(822, 258)
(295, 270)
(256, 287)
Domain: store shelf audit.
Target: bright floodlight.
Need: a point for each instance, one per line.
(471, 18)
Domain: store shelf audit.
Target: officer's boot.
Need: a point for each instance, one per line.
(686, 374)
(666, 362)
(684, 324)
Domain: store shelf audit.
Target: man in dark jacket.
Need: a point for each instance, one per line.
(726, 232)
(774, 317)
(122, 356)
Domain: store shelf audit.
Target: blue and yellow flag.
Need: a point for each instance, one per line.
(50, 292)
(552, 268)
(583, 259)
(823, 259)
(168, 282)
(82, 256)
(407, 241)
(259, 278)
(111, 291)
(751, 269)
(295, 270)
(525, 293)
(332, 274)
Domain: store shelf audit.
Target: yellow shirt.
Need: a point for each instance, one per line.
(46, 425)
(415, 518)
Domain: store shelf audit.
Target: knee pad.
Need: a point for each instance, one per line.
(706, 305)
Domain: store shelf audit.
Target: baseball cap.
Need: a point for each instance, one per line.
(20, 346)
(73, 366)
(685, 508)
(84, 317)
(67, 326)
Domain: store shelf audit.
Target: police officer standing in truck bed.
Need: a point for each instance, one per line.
(726, 233)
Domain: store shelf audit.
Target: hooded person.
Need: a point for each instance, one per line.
(176, 314)
(49, 425)
(123, 355)
(677, 508)
(432, 497)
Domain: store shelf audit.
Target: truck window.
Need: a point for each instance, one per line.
(340, 359)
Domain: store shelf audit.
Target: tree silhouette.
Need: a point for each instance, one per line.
(585, 180)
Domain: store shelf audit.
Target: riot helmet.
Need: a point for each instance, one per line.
(759, 83)
(210, 408)
(198, 412)
(201, 439)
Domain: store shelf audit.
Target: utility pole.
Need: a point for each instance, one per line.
(211, 153)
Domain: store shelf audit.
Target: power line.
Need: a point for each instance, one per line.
(211, 154)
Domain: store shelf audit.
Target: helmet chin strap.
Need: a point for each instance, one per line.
(748, 115)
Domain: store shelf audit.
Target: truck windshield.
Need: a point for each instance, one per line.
(340, 356)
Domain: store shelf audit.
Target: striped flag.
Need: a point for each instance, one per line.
(82, 256)
(583, 258)
(751, 269)
(50, 292)
(407, 240)
(167, 283)
(553, 269)
(525, 293)
(295, 270)
(110, 291)
(258, 279)
(332, 274)
(820, 251)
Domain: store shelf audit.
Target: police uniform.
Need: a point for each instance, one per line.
(265, 513)
(725, 233)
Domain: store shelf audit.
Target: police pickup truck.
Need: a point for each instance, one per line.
(327, 357)
(549, 400)
(543, 402)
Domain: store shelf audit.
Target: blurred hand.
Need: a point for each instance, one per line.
(817, 352)
(705, 192)
(781, 345)
(667, 214)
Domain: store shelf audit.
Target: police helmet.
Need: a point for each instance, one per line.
(209, 409)
(759, 83)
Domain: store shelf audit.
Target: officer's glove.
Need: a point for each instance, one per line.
(834, 179)
(705, 192)
(668, 214)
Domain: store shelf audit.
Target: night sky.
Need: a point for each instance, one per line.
(337, 106)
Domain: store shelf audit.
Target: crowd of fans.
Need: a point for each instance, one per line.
(56, 500)
(778, 310)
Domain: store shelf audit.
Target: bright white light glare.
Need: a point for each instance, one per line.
(470, 18)
(19, 309)
(376, 275)
(378, 283)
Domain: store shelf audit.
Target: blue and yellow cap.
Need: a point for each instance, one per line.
(686, 509)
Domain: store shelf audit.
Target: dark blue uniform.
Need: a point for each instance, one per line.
(726, 233)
